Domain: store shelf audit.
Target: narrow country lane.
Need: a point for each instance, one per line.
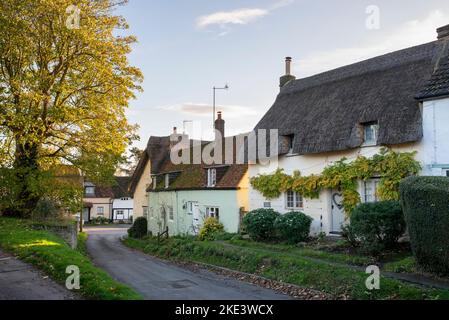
(156, 279)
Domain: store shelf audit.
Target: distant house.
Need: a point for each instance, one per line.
(123, 203)
(399, 100)
(111, 202)
(181, 196)
(151, 158)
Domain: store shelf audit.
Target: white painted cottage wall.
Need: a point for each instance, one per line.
(432, 152)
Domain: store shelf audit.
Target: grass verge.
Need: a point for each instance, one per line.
(52, 255)
(82, 240)
(339, 282)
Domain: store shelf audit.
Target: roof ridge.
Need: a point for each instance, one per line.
(384, 61)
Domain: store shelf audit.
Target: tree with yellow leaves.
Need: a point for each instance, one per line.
(65, 83)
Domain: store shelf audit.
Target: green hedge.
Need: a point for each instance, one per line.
(377, 226)
(260, 224)
(425, 202)
(139, 228)
(293, 227)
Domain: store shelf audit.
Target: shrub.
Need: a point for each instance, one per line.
(139, 228)
(377, 226)
(211, 227)
(260, 224)
(425, 201)
(99, 220)
(45, 209)
(293, 227)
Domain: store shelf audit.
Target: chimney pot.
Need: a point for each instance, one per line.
(219, 126)
(443, 32)
(175, 130)
(288, 73)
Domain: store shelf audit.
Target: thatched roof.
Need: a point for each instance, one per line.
(120, 189)
(325, 112)
(438, 85)
(156, 151)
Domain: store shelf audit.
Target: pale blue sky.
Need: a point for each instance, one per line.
(187, 46)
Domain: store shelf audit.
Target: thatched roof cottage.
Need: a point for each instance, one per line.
(399, 100)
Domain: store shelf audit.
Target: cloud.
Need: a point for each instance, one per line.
(411, 33)
(205, 110)
(242, 16)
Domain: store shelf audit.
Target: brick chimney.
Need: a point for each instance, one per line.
(288, 73)
(219, 125)
(443, 32)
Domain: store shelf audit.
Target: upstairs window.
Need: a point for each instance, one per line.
(171, 215)
(211, 177)
(89, 191)
(370, 133)
(100, 211)
(167, 181)
(294, 200)
(154, 182)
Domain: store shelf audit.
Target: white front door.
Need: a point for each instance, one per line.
(196, 216)
(338, 211)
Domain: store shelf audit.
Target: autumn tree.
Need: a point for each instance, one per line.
(64, 89)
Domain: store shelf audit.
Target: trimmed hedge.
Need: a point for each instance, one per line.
(139, 228)
(294, 227)
(260, 224)
(425, 202)
(377, 226)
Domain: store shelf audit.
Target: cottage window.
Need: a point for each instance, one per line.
(167, 181)
(294, 200)
(290, 139)
(370, 131)
(171, 215)
(211, 177)
(145, 212)
(267, 205)
(151, 213)
(213, 212)
(370, 190)
(89, 191)
(100, 211)
(154, 182)
(446, 172)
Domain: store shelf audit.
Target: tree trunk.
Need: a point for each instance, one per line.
(26, 179)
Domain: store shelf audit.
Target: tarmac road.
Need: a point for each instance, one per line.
(160, 280)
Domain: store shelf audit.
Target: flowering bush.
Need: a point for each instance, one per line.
(210, 228)
(293, 227)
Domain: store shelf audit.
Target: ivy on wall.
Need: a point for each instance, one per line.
(390, 166)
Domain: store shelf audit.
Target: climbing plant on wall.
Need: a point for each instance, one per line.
(389, 165)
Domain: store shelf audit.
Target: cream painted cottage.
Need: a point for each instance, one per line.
(399, 100)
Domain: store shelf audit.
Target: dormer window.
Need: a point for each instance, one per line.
(211, 177)
(167, 181)
(89, 191)
(370, 134)
(154, 182)
(290, 139)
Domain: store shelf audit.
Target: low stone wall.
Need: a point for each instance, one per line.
(68, 232)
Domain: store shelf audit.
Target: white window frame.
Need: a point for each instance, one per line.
(171, 213)
(89, 188)
(211, 177)
(167, 181)
(146, 212)
(375, 131)
(295, 198)
(213, 212)
(100, 212)
(154, 178)
(374, 184)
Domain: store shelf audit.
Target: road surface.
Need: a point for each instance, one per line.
(21, 281)
(156, 279)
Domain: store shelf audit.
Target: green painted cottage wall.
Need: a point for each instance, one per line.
(229, 203)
